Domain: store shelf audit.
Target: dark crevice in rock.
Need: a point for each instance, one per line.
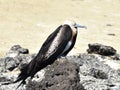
(98, 73)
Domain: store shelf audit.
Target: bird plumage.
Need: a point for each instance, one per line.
(51, 49)
(59, 43)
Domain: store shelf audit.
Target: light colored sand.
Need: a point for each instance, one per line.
(29, 22)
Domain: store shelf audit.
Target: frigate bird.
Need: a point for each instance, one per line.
(58, 44)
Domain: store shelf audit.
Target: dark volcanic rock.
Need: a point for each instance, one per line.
(16, 50)
(111, 34)
(8, 63)
(24, 59)
(61, 75)
(17, 57)
(95, 75)
(83, 72)
(109, 24)
(19, 49)
(101, 49)
(116, 57)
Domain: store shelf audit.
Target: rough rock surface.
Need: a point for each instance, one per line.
(16, 50)
(95, 75)
(101, 49)
(61, 75)
(82, 72)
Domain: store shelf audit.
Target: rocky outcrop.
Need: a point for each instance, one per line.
(101, 49)
(82, 72)
(95, 75)
(16, 50)
(61, 75)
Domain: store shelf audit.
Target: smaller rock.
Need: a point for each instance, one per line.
(101, 49)
(8, 64)
(109, 25)
(16, 50)
(11, 63)
(19, 49)
(111, 34)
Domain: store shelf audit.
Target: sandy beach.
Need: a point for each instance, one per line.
(29, 22)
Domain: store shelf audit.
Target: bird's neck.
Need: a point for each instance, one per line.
(74, 30)
(74, 33)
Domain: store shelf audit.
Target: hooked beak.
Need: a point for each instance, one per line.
(80, 26)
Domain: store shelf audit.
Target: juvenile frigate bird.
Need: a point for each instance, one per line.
(58, 44)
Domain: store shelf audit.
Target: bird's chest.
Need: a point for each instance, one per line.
(74, 32)
(67, 46)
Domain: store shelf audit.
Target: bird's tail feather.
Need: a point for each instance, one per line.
(23, 75)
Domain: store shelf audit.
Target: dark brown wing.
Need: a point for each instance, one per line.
(49, 52)
(51, 49)
(56, 42)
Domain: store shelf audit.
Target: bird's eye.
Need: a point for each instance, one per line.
(75, 25)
